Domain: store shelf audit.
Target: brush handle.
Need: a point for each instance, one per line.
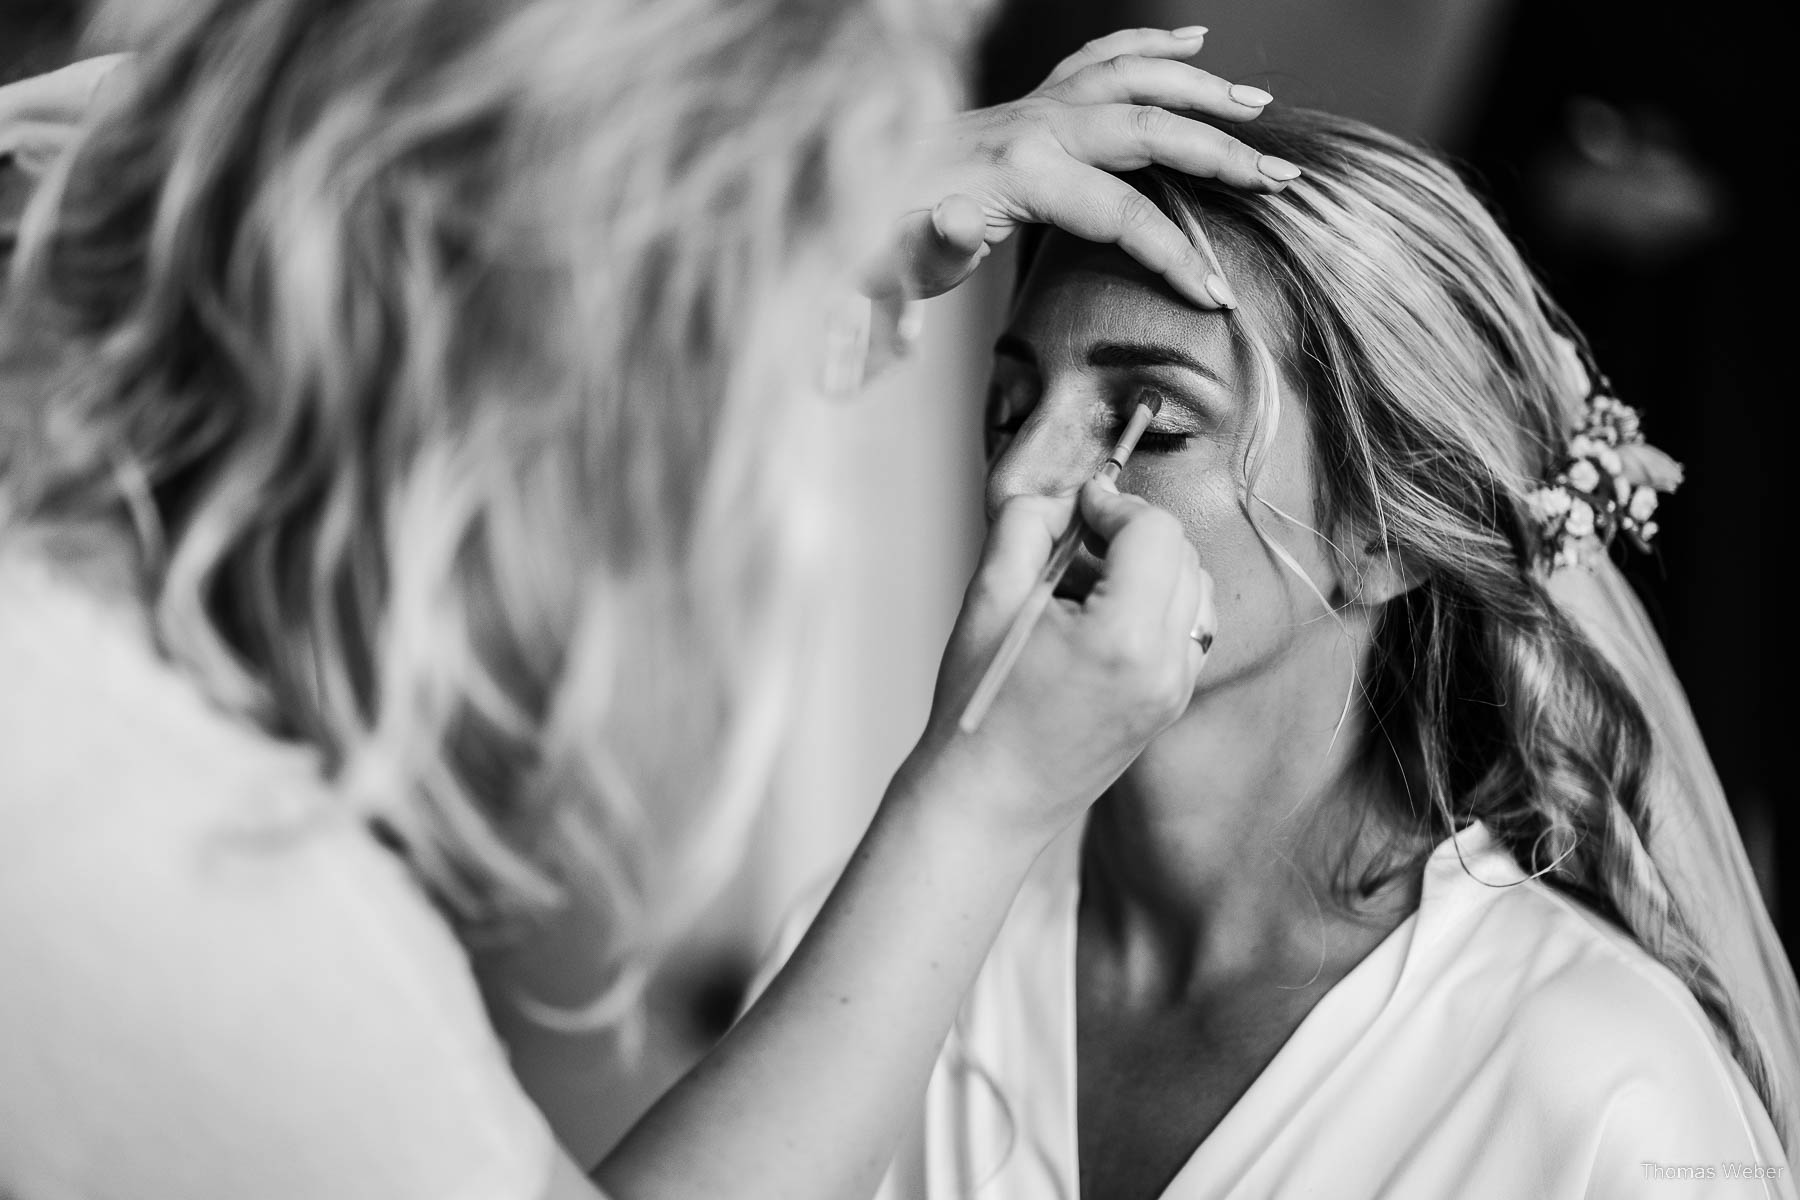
(1023, 622)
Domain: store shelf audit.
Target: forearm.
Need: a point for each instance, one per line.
(807, 1096)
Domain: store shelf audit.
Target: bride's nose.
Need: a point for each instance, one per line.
(1052, 454)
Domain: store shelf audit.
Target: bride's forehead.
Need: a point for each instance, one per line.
(1080, 292)
(1070, 268)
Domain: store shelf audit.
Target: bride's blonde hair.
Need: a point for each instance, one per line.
(1437, 387)
(445, 357)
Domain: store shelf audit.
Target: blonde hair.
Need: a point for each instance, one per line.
(1430, 363)
(445, 356)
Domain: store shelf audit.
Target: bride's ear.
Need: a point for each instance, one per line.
(1374, 574)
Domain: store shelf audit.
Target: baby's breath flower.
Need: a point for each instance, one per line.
(1548, 503)
(1609, 481)
(1580, 521)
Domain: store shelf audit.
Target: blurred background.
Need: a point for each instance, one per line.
(1629, 147)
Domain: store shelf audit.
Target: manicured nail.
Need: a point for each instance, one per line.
(1190, 31)
(1249, 97)
(1278, 169)
(1220, 291)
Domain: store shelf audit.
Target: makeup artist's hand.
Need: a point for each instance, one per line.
(1046, 159)
(1099, 678)
(41, 115)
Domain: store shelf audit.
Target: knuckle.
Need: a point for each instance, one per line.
(1023, 141)
(1005, 148)
(1114, 652)
(1013, 510)
(1119, 66)
(1136, 214)
(1148, 121)
(1134, 651)
(1035, 154)
(1241, 154)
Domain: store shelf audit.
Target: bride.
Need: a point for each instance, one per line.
(1432, 890)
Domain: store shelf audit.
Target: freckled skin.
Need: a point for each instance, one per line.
(1079, 295)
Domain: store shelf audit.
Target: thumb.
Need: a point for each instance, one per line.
(41, 115)
(933, 250)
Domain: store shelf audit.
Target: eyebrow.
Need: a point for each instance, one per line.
(1117, 355)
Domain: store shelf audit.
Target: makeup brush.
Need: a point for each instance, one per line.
(1149, 403)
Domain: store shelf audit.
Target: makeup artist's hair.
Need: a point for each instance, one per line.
(446, 358)
(1427, 355)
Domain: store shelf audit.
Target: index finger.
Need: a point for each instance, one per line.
(1135, 79)
(1099, 207)
(1126, 137)
(1145, 552)
(61, 95)
(1153, 43)
(1018, 546)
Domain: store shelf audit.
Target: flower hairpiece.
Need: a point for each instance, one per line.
(1608, 483)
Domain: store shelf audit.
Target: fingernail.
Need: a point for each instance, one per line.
(1278, 169)
(1191, 31)
(1249, 97)
(1220, 291)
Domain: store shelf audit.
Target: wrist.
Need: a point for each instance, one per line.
(969, 800)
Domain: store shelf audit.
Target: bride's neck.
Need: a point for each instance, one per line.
(1218, 850)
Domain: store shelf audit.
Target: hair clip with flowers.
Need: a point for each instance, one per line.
(1608, 483)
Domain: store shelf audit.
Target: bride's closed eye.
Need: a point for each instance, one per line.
(1012, 397)
(1012, 394)
(1155, 441)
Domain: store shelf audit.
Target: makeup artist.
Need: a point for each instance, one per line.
(400, 491)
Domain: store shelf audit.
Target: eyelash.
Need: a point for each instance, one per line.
(1153, 441)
